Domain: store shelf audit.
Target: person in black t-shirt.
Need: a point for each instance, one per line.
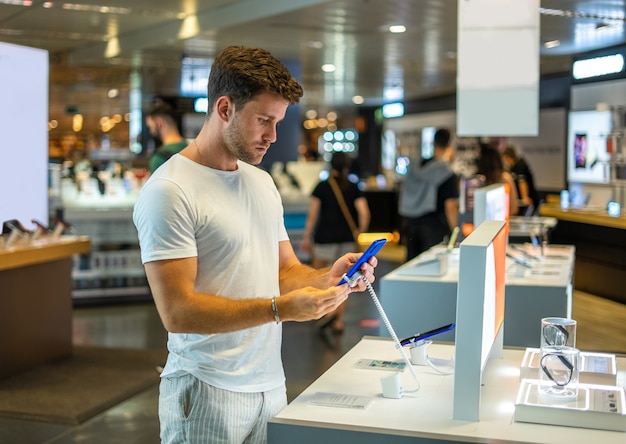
(327, 232)
(523, 177)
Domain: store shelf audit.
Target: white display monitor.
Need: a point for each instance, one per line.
(491, 203)
(479, 313)
(587, 156)
(428, 142)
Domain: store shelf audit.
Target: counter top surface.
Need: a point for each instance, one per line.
(42, 250)
(549, 266)
(593, 216)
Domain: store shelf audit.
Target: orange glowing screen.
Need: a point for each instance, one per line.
(499, 251)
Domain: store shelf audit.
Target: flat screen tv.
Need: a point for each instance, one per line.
(479, 313)
(587, 155)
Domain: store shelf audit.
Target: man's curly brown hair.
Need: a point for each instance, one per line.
(242, 73)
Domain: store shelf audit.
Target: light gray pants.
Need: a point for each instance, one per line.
(192, 412)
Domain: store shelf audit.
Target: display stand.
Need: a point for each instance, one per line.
(423, 417)
(417, 302)
(596, 407)
(595, 368)
(36, 302)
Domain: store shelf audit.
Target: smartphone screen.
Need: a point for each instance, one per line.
(371, 251)
(428, 334)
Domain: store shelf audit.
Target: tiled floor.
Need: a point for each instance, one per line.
(306, 355)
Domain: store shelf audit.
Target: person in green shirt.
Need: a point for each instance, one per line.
(162, 124)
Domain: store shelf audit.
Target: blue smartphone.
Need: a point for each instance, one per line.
(426, 335)
(371, 251)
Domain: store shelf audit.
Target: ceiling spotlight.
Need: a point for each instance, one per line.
(397, 29)
(328, 67)
(552, 44)
(314, 44)
(358, 100)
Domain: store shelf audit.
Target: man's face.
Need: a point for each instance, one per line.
(252, 129)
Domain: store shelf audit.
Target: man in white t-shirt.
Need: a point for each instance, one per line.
(220, 265)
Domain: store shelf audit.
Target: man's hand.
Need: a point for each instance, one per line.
(345, 262)
(310, 303)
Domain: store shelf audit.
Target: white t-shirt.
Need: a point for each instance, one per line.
(232, 221)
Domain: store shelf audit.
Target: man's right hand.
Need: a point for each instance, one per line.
(309, 303)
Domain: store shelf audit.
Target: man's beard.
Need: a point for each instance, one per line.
(236, 145)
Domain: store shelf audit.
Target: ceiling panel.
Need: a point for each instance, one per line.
(350, 33)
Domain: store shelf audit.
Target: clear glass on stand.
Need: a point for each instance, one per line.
(559, 360)
(558, 373)
(558, 332)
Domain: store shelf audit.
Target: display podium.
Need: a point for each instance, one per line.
(36, 302)
(417, 300)
(424, 416)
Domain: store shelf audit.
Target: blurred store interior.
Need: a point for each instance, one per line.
(379, 77)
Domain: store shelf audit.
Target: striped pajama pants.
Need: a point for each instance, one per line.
(192, 412)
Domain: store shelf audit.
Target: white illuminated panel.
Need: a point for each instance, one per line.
(393, 110)
(498, 68)
(24, 129)
(598, 66)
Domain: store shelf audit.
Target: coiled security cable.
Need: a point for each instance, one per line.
(391, 331)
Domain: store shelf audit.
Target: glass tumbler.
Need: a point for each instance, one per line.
(558, 332)
(558, 373)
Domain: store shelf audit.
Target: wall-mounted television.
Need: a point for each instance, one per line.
(587, 156)
(479, 313)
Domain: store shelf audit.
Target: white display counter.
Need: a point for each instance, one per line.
(424, 416)
(415, 302)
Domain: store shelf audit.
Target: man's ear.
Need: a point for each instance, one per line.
(225, 108)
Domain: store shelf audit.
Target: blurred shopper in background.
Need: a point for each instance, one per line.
(161, 121)
(524, 180)
(338, 213)
(491, 167)
(429, 199)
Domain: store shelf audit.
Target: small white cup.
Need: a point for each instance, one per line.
(392, 386)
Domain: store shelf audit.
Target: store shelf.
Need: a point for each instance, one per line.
(112, 268)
